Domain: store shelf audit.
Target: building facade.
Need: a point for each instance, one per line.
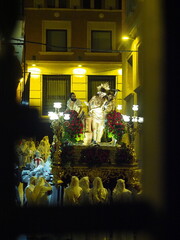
(132, 67)
(71, 46)
(132, 58)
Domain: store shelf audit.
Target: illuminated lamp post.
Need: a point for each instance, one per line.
(57, 119)
(133, 124)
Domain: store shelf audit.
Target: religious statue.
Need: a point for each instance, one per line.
(110, 104)
(72, 192)
(84, 184)
(96, 111)
(98, 194)
(120, 193)
(74, 103)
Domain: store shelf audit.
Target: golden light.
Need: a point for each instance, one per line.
(79, 71)
(120, 71)
(125, 38)
(119, 107)
(134, 119)
(53, 116)
(34, 70)
(57, 105)
(140, 119)
(135, 107)
(66, 116)
(126, 118)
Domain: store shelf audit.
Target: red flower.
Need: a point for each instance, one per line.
(115, 124)
(75, 127)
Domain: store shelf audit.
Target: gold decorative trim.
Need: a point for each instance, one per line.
(131, 174)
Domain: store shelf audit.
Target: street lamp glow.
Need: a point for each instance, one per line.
(126, 118)
(134, 119)
(135, 107)
(120, 71)
(140, 119)
(57, 105)
(79, 71)
(119, 107)
(125, 38)
(66, 116)
(52, 115)
(35, 71)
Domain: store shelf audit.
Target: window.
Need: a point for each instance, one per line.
(101, 41)
(38, 3)
(95, 81)
(57, 36)
(86, 4)
(56, 40)
(101, 36)
(119, 4)
(98, 4)
(50, 3)
(56, 88)
(63, 3)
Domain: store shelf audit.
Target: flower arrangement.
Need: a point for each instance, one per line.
(115, 125)
(73, 128)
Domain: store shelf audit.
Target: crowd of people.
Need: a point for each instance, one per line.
(33, 165)
(79, 192)
(27, 149)
(38, 188)
(37, 191)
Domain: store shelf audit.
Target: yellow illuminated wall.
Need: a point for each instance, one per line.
(38, 20)
(131, 78)
(79, 82)
(132, 86)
